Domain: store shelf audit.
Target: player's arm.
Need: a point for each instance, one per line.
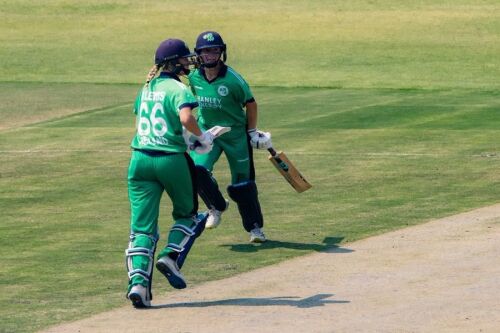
(185, 102)
(258, 139)
(189, 121)
(204, 139)
(251, 109)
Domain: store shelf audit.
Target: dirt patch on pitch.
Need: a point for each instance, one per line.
(442, 276)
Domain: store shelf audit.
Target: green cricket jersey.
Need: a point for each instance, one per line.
(157, 114)
(221, 101)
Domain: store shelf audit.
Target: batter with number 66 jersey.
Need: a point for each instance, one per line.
(160, 163)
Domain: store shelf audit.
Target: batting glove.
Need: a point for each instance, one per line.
(259, 139)
(204, 143)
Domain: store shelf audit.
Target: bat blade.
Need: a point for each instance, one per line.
(289, 171)
(216, 131)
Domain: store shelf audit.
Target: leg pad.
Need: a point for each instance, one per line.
(195, 231)
(139, 260)
(209, 190)
(245, 195)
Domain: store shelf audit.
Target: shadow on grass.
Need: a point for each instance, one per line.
(330, 245)
(308, 302)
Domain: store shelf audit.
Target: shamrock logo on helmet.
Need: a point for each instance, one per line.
(209, 37)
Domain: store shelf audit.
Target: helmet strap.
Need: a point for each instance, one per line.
(210, 65)
(222, 58)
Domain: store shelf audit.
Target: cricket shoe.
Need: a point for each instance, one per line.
(139, 296)
(214, 217)
(257, 236)
(168, 267)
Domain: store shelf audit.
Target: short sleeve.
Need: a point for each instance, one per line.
(137, 102)
(247, 93)
(184, 98)
(244, 93)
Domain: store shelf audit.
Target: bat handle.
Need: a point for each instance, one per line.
(280, 162)
(272, 151)
(195, 145)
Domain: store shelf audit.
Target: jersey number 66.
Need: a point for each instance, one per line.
(151, 120)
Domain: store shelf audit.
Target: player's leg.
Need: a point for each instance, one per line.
(243, 189)
(144, 196)
(208, 188)
(180, 183)
(245, 195)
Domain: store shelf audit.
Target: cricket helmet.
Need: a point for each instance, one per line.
(209, 39)
(170, 51)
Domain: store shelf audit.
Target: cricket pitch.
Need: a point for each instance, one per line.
(441, 276)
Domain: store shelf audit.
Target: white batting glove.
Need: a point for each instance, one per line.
(204, 143)
(259, 139)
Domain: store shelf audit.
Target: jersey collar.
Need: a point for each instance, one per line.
(166, 75)
(222, 73)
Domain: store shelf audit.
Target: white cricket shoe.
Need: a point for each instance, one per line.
(257, 236)
(214, 217)
(139, 296)
(168, 267)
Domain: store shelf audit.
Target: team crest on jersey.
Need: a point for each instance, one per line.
(223, 91)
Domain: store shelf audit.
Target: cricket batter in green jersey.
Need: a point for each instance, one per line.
(225, 99)
(159, 163)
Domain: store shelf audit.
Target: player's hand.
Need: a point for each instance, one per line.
(204, 143)
(259, 139)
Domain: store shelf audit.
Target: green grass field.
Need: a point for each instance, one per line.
(391, 110)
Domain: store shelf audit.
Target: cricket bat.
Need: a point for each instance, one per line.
(288, 170)
(216, 132)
